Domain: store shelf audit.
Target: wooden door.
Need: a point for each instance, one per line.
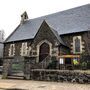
(44, 51)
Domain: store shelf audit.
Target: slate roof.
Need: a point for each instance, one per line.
(58, 37)
(68, 21)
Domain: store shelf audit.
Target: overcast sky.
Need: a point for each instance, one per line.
(10, 10)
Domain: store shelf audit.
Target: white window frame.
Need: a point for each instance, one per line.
(79, 37)
(24, 49)
(28, 51)
(10, 50)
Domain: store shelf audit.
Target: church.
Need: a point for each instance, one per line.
(55, 41)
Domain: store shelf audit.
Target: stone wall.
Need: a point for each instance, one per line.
(68, 39)
(6, 67)
(18, 45)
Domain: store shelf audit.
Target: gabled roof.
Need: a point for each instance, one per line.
(68, 21)
(44, 25)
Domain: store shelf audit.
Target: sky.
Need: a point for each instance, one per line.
(11, 10)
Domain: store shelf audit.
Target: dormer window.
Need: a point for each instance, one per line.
(77, 45)
(12, 50)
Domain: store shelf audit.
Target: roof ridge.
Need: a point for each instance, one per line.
(71, 22)
(60, 11)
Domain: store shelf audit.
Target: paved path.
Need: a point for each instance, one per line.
(40, 85)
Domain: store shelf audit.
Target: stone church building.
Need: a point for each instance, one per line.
(48, 41)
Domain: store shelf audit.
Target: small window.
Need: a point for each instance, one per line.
(24, 49)
(12, 50)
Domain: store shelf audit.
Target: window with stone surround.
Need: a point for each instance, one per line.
(24, 49)
(12, 50)
(77, 45)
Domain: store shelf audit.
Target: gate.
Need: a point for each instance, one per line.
(17, 66)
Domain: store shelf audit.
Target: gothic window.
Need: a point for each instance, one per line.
(12, 50)
(24, 49)
(77, 46)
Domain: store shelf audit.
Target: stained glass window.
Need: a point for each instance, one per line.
(77, 45)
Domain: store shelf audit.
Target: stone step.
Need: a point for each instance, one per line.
(16, 77)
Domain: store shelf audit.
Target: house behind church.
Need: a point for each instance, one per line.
(1, 46)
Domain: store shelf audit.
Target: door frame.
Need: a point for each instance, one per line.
(38, 48)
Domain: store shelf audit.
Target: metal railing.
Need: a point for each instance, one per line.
(43, 64)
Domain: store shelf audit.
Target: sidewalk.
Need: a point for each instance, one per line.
(12, 84)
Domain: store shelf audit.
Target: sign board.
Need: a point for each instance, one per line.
(61, 61)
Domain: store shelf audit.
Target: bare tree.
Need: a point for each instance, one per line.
(2, 35)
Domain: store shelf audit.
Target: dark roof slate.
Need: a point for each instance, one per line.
(68, 21)
(58, 37)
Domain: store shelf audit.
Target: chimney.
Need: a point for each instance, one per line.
(24, 17)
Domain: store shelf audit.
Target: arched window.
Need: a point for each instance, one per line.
(77, 46)
(24, 49)
(12, 50)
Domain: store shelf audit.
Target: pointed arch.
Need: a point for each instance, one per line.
(44, 45)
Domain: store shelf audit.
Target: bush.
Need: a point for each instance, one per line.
(84, 65)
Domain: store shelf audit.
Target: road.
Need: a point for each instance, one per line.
(40, 85)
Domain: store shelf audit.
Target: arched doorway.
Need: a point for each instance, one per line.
(43, 51)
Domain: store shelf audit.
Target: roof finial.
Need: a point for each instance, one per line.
(24, 17)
